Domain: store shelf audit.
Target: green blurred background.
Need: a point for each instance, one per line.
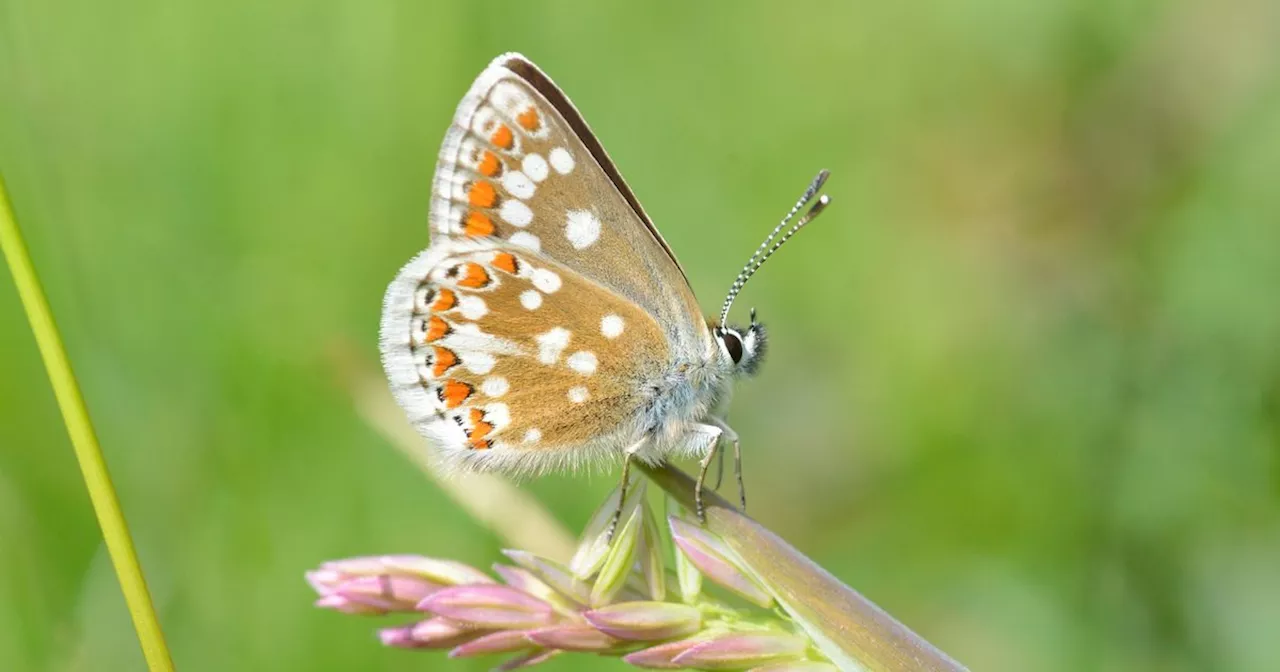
(1024, 387)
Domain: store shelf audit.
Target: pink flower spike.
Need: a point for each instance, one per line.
(711, 558)
(529, 660)
(572, 637)
(646, 621)
(489, 606)
(797, 666)
(442, 633)
(734, 652)
(661, 657)
(502, 641)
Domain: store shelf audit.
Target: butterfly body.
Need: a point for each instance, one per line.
(548, 325)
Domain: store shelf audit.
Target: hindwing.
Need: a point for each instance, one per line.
(507, 359)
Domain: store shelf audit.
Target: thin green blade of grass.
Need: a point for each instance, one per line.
(75, 415)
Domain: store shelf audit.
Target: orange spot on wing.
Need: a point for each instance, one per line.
(444, 300)
(529, 119)
(453, 393)
(444, 360)
(475, 277)
(505, 261)
(489, 164)
(482, 195)
(502, 137)
(436, 328)
(478, 224)
(479, 430)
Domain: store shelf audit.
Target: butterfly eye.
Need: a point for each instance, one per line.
(733, 345)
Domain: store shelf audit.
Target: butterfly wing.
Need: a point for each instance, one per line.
(506, 359)
(520, 164)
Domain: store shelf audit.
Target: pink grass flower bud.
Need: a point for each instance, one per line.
(502, 641)
(386, 583)
(646, 621)
(652, 568)
(616, 569)
(489, 606)
(442, 633)
(529, 659)
(375, 594)
(662, 656)
(553, 574)
(741, 651)
(444, 572)
(400, 638)
(572, 637)
(713, 560)
(594, 545)
(522, 579)
(342, 604)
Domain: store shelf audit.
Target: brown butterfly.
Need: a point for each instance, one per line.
(548, 325)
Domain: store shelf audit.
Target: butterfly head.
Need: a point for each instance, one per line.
(742, 348)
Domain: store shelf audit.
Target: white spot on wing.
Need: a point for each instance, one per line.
(578, 394)
(561, 160)
(478, 363)
(495, 386)
(515, 213)
(530, 299)
(611, 326)
(498, 415)
(518, 184)
(472, 307)
(535, 167)
(546, 280)
(534, 435)
(551, 344)
(526, 239)
(582, 229)
(583, 362)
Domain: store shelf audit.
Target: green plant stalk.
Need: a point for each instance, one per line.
(851, 631)
(88, 452)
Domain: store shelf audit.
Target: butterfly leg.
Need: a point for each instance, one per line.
(628, 454)
(719, 470)
(732, 436)
(710, 435)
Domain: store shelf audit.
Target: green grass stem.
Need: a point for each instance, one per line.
(88, 452)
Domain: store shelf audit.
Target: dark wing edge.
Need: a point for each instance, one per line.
(526, 70)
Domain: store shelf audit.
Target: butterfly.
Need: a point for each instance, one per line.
(548, 325)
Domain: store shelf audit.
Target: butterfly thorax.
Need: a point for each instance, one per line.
(687, 393)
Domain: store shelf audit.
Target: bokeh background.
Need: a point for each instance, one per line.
(1024, 387)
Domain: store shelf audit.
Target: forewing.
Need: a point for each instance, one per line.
(506, 359)
(520, 164)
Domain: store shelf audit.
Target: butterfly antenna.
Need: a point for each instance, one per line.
(772, 242)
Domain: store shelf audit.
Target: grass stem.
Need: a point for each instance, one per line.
(88, 452)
